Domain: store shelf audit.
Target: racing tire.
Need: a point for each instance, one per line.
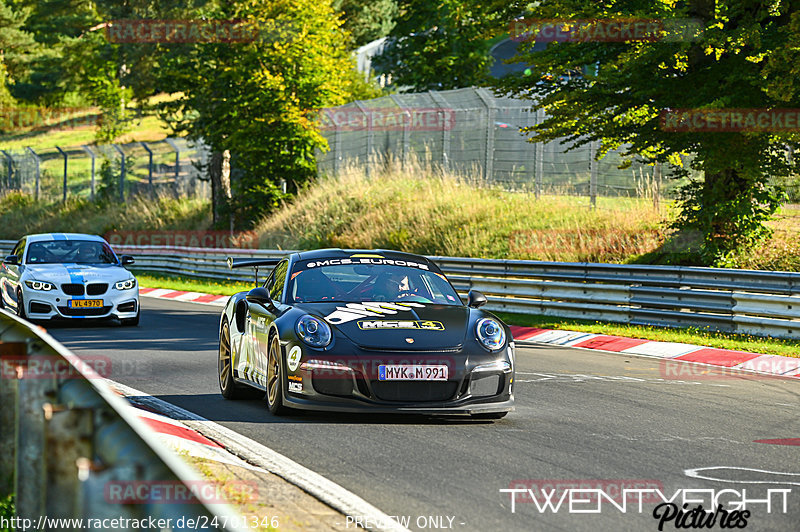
(227, 385)
(20, 305)
(492, 415)
(131, 322)
(274, 396)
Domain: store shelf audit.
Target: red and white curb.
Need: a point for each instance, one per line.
(201, 437)
(180, 295)
(710, 356)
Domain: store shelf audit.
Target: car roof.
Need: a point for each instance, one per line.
(344, 253)
(49, 237)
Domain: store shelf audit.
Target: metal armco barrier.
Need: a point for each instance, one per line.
(66, 435)
(743, 301)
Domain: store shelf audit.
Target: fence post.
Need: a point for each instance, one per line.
(539, 156)
(9, 168)
(337, 152)
(121, 172)
(593, 174)
(177, 160)
(64, 154)
(38, 161)
(149, 167)
(442, 103)
(92, 155)
(656, 185)
(488, 168)
(406, 128)
(367, 162)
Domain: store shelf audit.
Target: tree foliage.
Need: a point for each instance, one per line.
(744, 57)
(260, 99)
(367, 20)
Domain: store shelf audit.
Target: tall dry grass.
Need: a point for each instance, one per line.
(423, 210)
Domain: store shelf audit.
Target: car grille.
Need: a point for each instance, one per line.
(72, 289)
(66, 311)
(414, 391)
(96, 289)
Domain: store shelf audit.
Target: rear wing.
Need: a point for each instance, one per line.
(252, 263)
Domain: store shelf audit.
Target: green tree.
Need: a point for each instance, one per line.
(260, 99)
(17, 49)
(367, 20)
(441, 45)
(743, 56)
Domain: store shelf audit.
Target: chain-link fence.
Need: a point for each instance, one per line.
(472, 131)
(171, 167)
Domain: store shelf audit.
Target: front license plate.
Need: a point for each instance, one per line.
(412, 373)
(85, 303)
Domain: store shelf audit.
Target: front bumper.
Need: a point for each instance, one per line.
(356, 387)
(54, 304)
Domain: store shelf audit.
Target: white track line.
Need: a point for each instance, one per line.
(259, 455)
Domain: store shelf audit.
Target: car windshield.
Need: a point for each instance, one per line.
(354, 280)
(70, 251)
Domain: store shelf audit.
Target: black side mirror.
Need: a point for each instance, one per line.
(260, 296)
(11, 259)
(126, 260)
(476, 299)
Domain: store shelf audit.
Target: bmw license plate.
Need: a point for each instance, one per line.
(412, 373)
(85, 303)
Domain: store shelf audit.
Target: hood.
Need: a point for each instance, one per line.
(389, 325)
(77, 273)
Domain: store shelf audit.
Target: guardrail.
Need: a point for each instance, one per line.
(744, 301)
(67, 438)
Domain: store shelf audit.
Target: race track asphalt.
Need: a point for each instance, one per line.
(603, 419)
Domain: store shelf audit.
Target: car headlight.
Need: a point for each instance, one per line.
(39, 285)
(313, 331)
(125, 285)
(490, 333)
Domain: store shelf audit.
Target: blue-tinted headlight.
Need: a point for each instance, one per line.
(491, 334)
(313, 331)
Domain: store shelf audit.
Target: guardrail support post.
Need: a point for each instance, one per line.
(92, 155)
(33, 393)
(68, 438)
(8, 414)
(121, 172)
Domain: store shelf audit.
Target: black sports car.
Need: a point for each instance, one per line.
(376, 330)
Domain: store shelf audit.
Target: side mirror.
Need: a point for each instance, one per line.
(126, 260)
(11, 259)
(476, 299)
(260, 296)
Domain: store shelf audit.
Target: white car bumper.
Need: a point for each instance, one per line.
(110, 303)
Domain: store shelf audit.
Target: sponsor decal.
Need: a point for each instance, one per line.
(293, 360)
(295, 378)
(354, 311)
(366, 260)
(397, 324)
(295, 386)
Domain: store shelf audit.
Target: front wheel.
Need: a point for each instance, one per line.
(20, 305)
(275, 378)
(227, 386)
